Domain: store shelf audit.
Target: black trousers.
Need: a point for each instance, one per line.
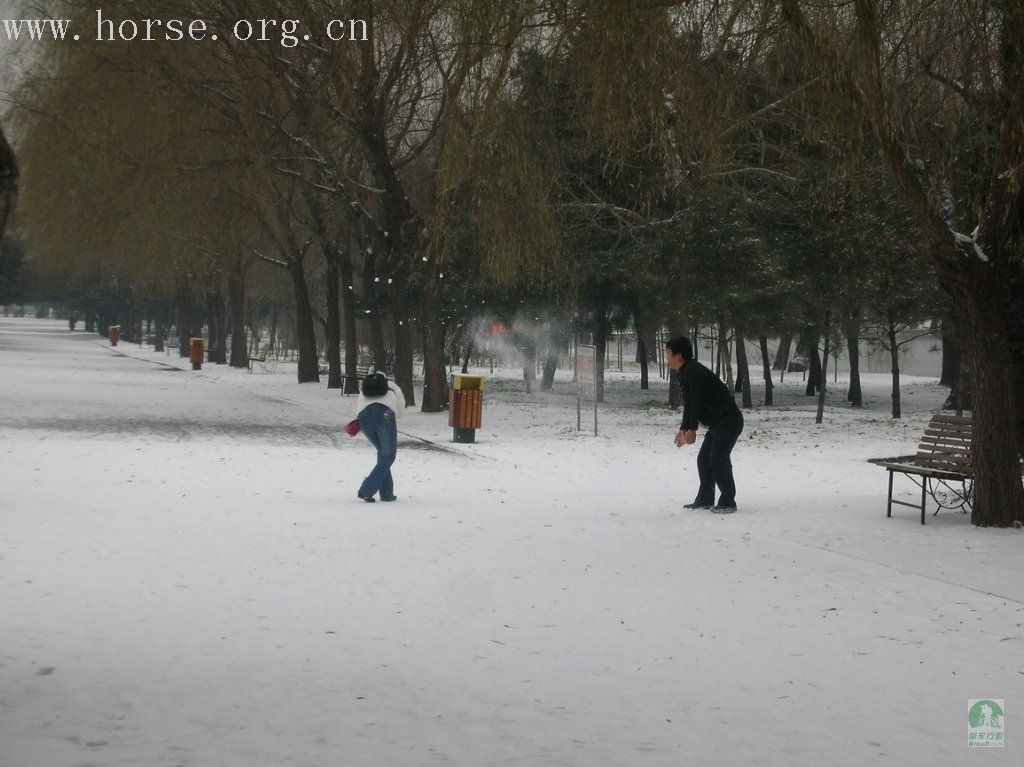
(714, 461)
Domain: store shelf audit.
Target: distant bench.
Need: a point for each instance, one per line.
(943, 458)
(363, 369)
(260, 357)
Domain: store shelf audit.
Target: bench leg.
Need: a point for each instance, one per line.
(888, 511)
(924, 491)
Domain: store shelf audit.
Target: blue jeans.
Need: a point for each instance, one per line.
(714, 462)
(378, 424)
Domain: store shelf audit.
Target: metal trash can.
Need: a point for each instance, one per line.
(465, 407)
(195, 353)
(114, 334)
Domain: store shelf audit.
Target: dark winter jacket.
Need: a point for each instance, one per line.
(706, 400)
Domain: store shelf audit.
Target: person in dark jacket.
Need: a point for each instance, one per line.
(707, 402)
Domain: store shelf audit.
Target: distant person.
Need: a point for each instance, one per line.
(378, 407)
(72, 321)
(709, 403)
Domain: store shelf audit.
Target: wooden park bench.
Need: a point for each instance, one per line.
(363, 369)
(260, 357)
(364, 366)
(943, 460)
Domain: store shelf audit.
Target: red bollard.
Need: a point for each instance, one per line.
(195, 353)
(114, 334)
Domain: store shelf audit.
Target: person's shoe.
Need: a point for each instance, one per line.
(367, 498)
(727, 508)
(698, 505)
(389, 500)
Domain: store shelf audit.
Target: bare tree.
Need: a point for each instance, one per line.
(964, 63)
(8, 181)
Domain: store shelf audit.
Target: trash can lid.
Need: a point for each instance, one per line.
(468, 382)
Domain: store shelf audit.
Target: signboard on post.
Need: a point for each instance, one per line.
(586, 380)
(586, 370)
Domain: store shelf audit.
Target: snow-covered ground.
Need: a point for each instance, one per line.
(188, 579)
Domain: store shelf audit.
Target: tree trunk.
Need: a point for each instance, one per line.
(547, 383)
(558, 341)
(813, 363)
(766, 368)
(377, 351)
(376, 316)
(348, 307)
(466, 357)
(8, 182)
(894, 352)
(309, 368)
(236, 304)
(332, 333)
(823, 377)
(404, 359)
(186, 315)
(272, 338)
(453, 349)
(220, 355)
(716, 353)
(601, 344)
(723, 351)
(854, 395)
(125, 319)
(253, 326)
(743, 369)
(643, 357)
(814, 372)
(999, 495)
(195, 330)
(160, 330)
(782, 353)
(435, 384)
(216, 311)
(951, 354)
(210, 325)
(158, 334)
(528, 347)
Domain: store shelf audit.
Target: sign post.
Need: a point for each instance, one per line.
(586, 381)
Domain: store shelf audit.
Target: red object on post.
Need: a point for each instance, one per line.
(195, 353)
(113, 334)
